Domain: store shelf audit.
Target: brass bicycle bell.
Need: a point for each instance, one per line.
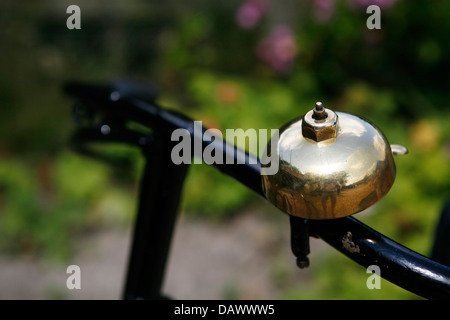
(331, 165)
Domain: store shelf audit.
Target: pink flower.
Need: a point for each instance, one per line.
(279, 49)
(250, 13)
(323, 9)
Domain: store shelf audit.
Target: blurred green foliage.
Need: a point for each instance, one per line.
(229, 73)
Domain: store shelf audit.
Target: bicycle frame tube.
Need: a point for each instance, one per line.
(398, 264)
(159, 198)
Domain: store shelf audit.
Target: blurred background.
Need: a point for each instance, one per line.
(232, 64)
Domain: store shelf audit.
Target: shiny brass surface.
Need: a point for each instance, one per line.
(331, 178)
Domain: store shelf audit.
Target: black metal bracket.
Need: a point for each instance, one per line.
(300, 240)
(441, 247)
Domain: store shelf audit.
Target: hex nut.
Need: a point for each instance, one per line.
(320, 130)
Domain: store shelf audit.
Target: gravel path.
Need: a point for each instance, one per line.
(247, 257)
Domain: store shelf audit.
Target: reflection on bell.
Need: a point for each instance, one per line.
(331, 165)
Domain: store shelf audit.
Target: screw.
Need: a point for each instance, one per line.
(302, 262)
(319, 112)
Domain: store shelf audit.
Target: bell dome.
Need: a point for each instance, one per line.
(331, 165)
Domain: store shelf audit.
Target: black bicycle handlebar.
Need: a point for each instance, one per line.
(398, 264)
